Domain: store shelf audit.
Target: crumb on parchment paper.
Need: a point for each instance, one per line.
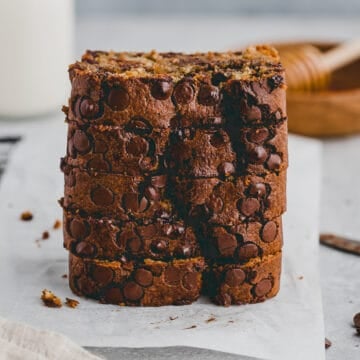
(72, 303)
(57, 224)
(26, 216)
(50, 299)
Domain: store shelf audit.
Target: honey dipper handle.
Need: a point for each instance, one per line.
(341, 55)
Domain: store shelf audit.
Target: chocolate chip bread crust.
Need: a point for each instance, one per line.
(147, 283)
(136, 149)
(253, 282)
(112, 88)
(229, 202)
(114, 240)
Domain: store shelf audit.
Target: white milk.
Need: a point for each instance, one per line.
(36, 39)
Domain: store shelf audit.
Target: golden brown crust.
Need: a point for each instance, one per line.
(146, 283)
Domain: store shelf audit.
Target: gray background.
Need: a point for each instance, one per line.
(231, 7)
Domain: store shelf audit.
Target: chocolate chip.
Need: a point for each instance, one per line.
(118, 99)
(159, 181)
(226, 243)
(161, 89)
(131, 202)
(100, 146)
(208, 95)
(257, 189)
(218, 78)
(78, 229)
(143, 277)
(257, 155)
(98, 165)
(102, 275)
(269, 232)
(151, 193)
(102, 196)
(258, 136)
(247, 251)
(226, 169)
(183, 92)
(81, 142)
(137, 146)
(139, 126)
(190, 281)
(143, 204)
(275, 81)
(263, 287)
(235, 277)
(172, 275)
(134, 244)
(113, 296)
(274, 162)
(88, 108)
(132, 291)
(248, 206)
(158, 246)
(84, 248)
(250, 112)
(217, 140)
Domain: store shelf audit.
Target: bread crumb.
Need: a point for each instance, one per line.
(173, 317)
(50, 299)
(26, 216)
(210, 319)
(191, 327)
(64, 276)
(72, 303)
(57, 224)
(300, 277)
(328, 343)
(45, 235)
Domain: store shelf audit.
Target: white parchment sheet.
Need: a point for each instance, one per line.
(287, 327)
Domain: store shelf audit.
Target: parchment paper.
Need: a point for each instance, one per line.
(287, 327)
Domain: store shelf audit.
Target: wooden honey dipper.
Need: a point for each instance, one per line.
(309, 69)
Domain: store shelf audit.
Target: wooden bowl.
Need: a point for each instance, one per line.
(334, 112)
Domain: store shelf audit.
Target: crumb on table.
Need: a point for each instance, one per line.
(26, 216)
(57, 224)
(50, 299)
(210, 319)
(64, 276)
(72, 303)
(45, 235)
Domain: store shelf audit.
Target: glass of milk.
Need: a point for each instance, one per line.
(36, 39)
